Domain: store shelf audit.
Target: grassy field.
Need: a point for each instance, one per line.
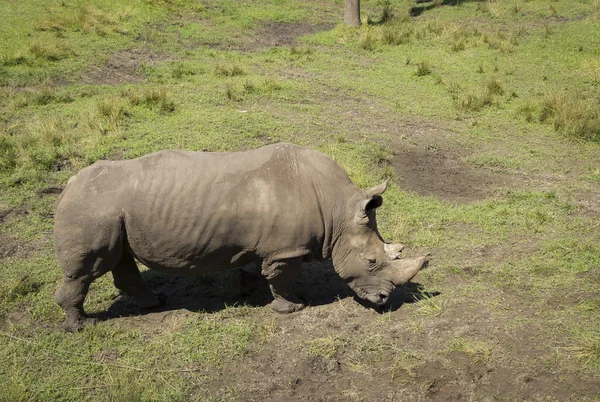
(485, 116)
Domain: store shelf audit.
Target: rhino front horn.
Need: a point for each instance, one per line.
(407, 269)
(393, 250)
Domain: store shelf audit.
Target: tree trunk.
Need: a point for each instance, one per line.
(352, 12)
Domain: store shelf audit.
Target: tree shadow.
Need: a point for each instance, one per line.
(425, 5)
(317, 284)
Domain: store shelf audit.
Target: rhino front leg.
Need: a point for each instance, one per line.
(280, 275)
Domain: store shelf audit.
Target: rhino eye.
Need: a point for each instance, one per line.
(371, 264)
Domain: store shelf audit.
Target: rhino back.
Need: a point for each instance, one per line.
(205, 211)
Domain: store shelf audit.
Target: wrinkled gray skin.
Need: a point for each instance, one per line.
(187, 213)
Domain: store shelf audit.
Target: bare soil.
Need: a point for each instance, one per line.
(273, 34)
(285, 33)
(15, 248)
(444, 175)
(283, 368)
(124, 67)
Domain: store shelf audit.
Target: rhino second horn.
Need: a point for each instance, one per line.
(407, 269)
(392, 250)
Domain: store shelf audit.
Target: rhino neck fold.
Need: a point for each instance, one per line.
(332, 188)
(329, 209)
(339, 254)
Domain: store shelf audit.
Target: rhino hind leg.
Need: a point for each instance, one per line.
(70, 296)
(127, 278)
(82, 264)
(281, 275)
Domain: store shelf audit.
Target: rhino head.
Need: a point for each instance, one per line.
(370, 266)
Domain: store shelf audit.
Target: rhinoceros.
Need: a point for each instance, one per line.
(189, 213)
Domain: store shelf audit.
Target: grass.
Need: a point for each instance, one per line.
(422, 69)
(577, 118)
(48, 51)
(120, 373)
(587, 348)
(478, 351)
(367, 40)
(428, 306)
(229, 71)
(18, 289)
(157, 98)
(494, 162)
(505, 90)
(404, 364)
(323, 347)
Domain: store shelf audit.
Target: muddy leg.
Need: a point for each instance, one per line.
(280, 275)
(70, 297)
(128, 279)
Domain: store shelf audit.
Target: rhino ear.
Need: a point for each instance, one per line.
(373, 200)
(378, 190)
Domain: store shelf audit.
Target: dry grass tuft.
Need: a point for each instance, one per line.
(160, 98)
(323, 347)
(54, 24)
(478, 351)
(527, 111)
(367, 40)
(92, 19)
(587, 348)
(423, 68)
(494, 87)
(577, 118)
(49, 51)
(473, 101)
(229, 71)
(395, 34)
(429, 306)
(404, 365)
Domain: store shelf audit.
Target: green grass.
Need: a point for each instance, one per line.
(507, 88)
(114, 368)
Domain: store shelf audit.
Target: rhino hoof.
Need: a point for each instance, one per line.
(283, 306)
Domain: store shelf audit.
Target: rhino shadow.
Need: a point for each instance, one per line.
(317, 284)
(421, 7)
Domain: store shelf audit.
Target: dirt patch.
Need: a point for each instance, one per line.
(11, 247)
(16, 317)
(11, 213)
(51, 191)
(287, 33)
(445, 176)
(281, 369)
(274, 34)
(124, 67)
(109, 355)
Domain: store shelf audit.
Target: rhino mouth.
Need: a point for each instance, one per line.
(378, 298)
